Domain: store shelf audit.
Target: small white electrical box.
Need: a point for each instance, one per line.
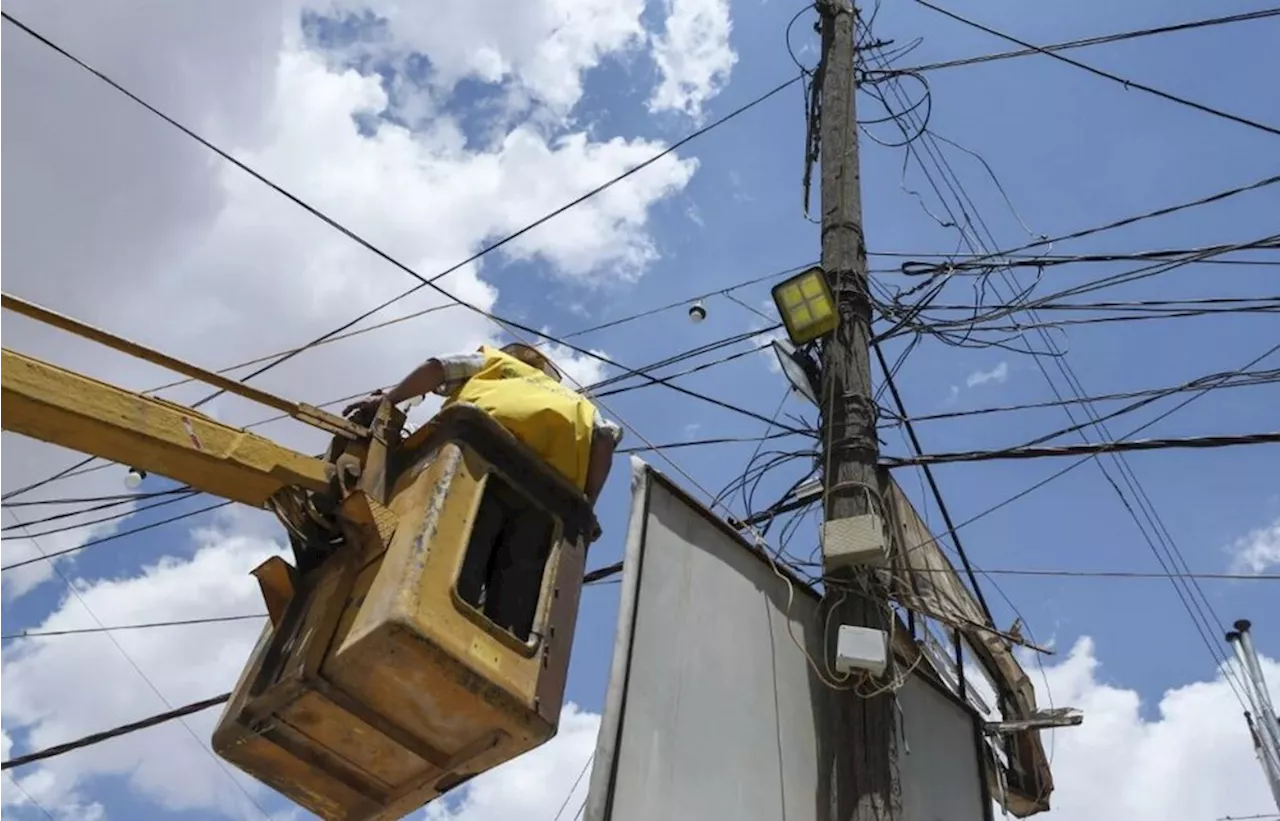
(853, 541)
(861, 648)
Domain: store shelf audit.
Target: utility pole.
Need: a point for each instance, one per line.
(1266, 733)
(864, 783)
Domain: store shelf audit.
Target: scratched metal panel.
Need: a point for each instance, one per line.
(712, 711)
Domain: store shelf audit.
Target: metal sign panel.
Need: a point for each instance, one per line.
(713, 710)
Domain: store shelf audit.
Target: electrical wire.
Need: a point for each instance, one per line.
(606, 573)
(1093, 41)
(1271, 437)
(1243, 379)
(114, 536)
(1128, 84)
(423, 281)
(178, 713)
(32, 634)
(1192, 606)
(30, 798)
(78, 525)
(788, 430)
(116, 732)
(80, 468)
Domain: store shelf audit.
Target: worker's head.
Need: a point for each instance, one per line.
(533, 357)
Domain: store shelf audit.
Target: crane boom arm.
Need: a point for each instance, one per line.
(74, 411)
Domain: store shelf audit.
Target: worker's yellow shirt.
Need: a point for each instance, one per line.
(554, 421)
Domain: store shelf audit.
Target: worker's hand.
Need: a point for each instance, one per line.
(364, 408)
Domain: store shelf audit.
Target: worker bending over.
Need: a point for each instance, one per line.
(521, 390)
(509, 543)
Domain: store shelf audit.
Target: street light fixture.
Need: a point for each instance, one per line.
(806, 305)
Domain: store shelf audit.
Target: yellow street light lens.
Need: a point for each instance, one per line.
(806, 306)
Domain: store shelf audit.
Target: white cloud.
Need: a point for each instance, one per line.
(48, 697)
(1193, 760)
(129, 225)
(1257, 551)
(1190, 760)
(537, 784)
(544, 48)
(996, 375)
(693, 56)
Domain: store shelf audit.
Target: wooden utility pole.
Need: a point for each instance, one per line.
(864, 782)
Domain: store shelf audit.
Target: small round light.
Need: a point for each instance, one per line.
(134, 478)
(697, 312)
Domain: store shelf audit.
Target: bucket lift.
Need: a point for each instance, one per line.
(422, 636)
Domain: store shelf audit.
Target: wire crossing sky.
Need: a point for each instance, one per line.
(1043, 245)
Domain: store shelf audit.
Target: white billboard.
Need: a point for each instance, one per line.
(713, 710)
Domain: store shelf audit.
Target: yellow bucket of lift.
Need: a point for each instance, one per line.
(434, 645)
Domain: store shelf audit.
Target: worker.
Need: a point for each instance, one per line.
(520, 389)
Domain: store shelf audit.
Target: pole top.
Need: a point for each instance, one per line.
(1243, 625)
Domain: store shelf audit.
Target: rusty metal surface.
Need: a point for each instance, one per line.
(381, 689)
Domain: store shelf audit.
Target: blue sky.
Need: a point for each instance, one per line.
(1072, 151)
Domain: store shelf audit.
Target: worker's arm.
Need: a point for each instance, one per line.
(421, 381)
(436, 375)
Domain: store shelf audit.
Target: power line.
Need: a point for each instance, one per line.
(1087, 448)
(30, 798)
(185, 494)
(933, 484)
(423, 282)
(653, 380)
(150, 684)
(1108, 75)
(33, 634)
(603, 573)
(1246, 379)
(114, 536)
(1088, 41)
(116, 732)
(1199, 620)
(724, 440)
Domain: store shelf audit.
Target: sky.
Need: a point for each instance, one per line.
(431, 136)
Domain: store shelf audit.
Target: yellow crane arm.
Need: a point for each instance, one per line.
(65, 408)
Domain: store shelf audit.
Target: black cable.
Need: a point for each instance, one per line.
(1130, 479)
(168, 497)
(423, 282)
(1271, 437)
(115, 499)
(933, 484)
(186, 493)
(114, 536)
(1094, 41)
(1108, 75)
(1246, 379)
(1098, 229)
(107, 735)
(32, 634)
(699, 442)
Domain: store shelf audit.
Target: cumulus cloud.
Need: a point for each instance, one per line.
(544, 48)
(1257, 551)
(130, 225)
(1184, 757)
(47, 700)
(693, 55)
(995, 376)
(549, 780)
(1193, 759)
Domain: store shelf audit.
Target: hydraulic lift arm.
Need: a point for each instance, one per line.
(65, 408)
